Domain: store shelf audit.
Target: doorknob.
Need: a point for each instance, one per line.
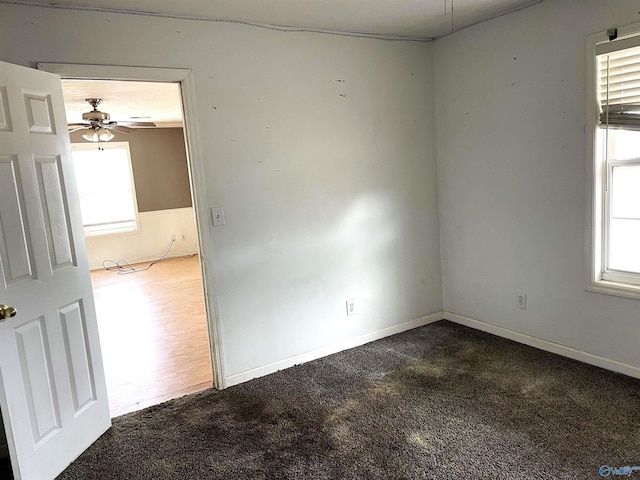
(7, 312)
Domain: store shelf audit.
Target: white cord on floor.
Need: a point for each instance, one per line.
(124, 268)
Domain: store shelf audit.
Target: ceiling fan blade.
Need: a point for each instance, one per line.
(76, 127)
(118, 128)
(137, 124)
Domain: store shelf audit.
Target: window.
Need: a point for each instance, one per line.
(614, 121)
(105, 184)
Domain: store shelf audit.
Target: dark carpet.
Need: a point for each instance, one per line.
(5, 469)
(438, 402)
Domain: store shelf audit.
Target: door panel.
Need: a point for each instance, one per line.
(76, 348)
(39, 112)
(15, 251)
(54, 214)
(5, 117)
(37, 378)
(52, 390)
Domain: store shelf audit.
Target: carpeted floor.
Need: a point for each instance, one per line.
(439, 402)
(5, 469)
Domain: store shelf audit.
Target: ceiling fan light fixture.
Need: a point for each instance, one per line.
(91, 136)
(104, 135)
(96, 135)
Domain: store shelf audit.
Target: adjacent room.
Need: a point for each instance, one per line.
(141, 239)
(414, 224)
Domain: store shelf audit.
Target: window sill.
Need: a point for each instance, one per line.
(615, 288)
(113, 233)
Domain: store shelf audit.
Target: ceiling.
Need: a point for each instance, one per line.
(160, 103)
(125, 101)
(418, 19)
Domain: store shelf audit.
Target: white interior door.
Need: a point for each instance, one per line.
(52, 389)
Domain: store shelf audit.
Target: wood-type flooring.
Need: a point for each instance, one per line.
(153, 333)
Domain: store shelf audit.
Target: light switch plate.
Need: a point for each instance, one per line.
(217, 216)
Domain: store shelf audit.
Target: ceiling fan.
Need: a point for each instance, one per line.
(100, 124)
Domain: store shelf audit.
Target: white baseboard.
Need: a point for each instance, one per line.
(331, 349)
(546, 345)
(139, 260)
(591, 359)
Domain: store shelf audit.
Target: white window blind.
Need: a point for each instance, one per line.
(619, 88)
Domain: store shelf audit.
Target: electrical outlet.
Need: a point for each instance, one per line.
(184, 237)
(521, 300)
(173, 237)
(351, 307)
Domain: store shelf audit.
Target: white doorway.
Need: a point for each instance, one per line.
(207, 331)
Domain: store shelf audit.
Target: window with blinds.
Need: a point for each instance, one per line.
(618, 96)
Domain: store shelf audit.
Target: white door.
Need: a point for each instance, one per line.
(52, 389)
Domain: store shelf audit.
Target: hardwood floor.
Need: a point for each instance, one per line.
(153, 333)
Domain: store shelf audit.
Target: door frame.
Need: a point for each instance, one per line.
(196, 174)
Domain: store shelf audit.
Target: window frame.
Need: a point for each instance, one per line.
(88, 233)
(600, 279)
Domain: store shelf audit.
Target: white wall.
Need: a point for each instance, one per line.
(321, 149)
(510, 109)
(155, 230)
